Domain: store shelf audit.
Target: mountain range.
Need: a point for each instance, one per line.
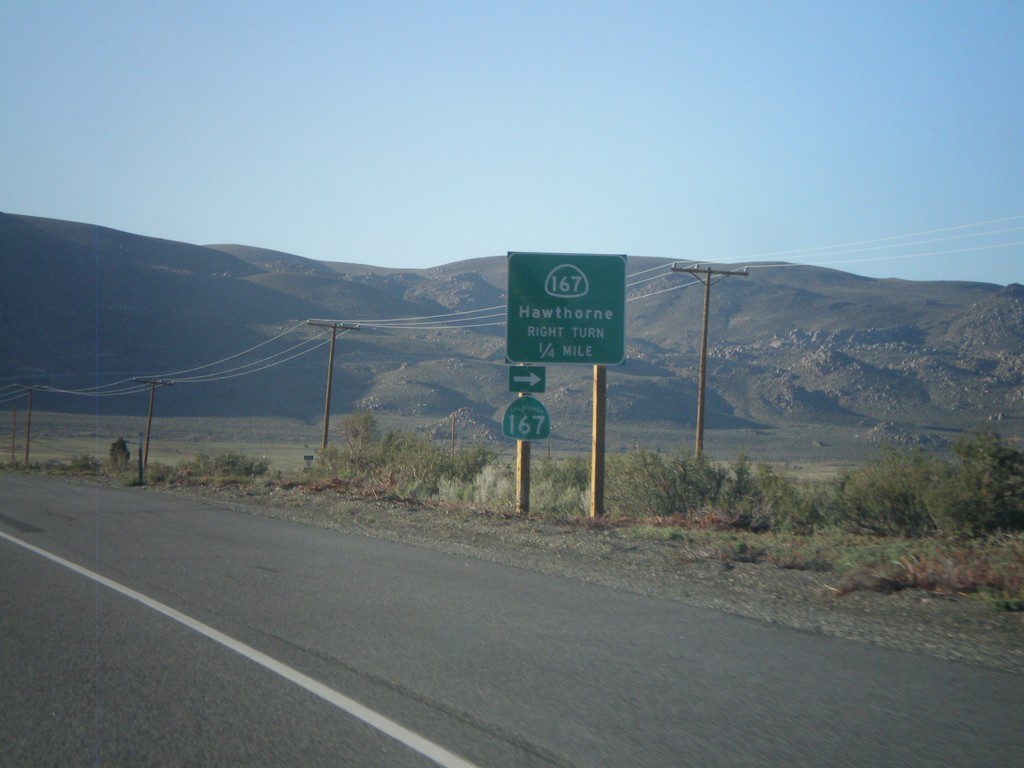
(804, 363)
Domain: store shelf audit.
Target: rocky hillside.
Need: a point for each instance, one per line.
(804, 362)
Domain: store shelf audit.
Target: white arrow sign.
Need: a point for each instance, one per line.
(530, 380)
(526, 378)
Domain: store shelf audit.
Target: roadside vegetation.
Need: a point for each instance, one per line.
(903, 520)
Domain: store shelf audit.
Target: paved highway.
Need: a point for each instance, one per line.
(140, 629)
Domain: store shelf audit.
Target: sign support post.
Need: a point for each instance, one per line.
(567, 308)
(597, 444)
(522, 477)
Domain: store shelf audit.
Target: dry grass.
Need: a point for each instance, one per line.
(993, 568)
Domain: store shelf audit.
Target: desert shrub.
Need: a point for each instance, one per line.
(328, 461)
(361, 451)
(643, 483)
(223, 466)
(915, 494)
(890, 495)
(495, 487)
(741, 485)
(559, 487)
(453, 489)
(397, 462)
(983, 491)
(410, 463)
(159, 473)
(83, 465)
(551, 500)
(571, 472)
(465, 465)
(777, 502)
(119, 455)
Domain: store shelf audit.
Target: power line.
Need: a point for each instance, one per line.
(237, 354)
(219, 375)
(893, 237)
(894, 257)
(428, 317)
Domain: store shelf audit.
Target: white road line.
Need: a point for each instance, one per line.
(385, 725)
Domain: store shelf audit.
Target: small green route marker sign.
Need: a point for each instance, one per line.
(526, 419)
(527, 378)
(566, 308)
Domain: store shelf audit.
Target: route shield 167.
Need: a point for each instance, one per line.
(526, 419)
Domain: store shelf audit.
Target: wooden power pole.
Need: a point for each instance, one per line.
(28, 416)
(153, 384)
(704, 275)
(334, 326)
(14, 434)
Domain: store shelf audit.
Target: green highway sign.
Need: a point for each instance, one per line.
(526, 419)
(527, 378)
(566, 308)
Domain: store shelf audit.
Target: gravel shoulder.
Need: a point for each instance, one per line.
(954, 628)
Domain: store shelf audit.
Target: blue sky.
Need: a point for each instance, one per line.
(411, 134)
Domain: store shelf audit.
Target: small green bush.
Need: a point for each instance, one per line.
(560, 487)
(777, 502)
(452, 489)
(984, 491)
(643, 483)
(84, 465)
(159, 473)
(400, 463)
(119, 455)
(891, 495)
(899, 493)
(495, 487)
(224, 466)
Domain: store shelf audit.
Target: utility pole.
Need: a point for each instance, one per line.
(153, 384)
(28, 418)
(334, 326)
(705, 275)
(14, 434)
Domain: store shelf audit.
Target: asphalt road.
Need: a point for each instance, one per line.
(138, 629)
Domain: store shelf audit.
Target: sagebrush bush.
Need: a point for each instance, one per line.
(495, 487)
(223, 466)
(777, 502)
(560, 487)
(644, 483)
(898, 493)
(119, 455)
(891, 495)
(452, 489)
(983, 492)
(84, 465)
(401, 463)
